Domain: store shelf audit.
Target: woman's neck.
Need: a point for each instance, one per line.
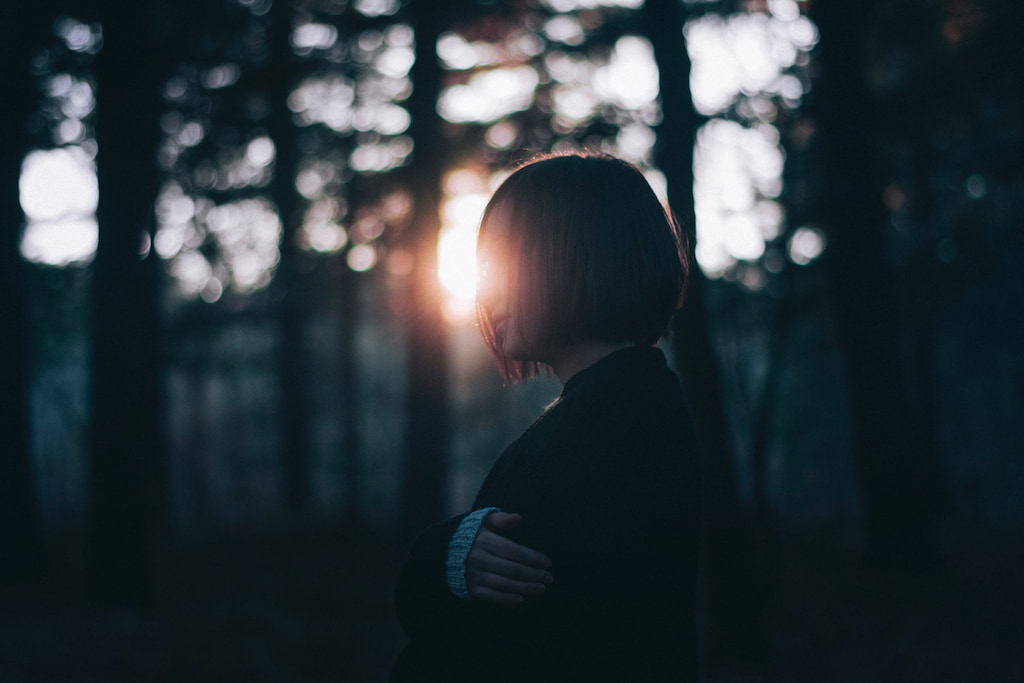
(575, 357)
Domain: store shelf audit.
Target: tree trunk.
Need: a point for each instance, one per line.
(730, 589)
(351, 445)
(19, 520)
(127, 476)
(291, 353)
(425, 469)
(900, 476)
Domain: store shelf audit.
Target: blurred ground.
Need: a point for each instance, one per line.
(314, 604)
(306, 604)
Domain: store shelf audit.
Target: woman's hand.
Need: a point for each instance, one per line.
(500, 570)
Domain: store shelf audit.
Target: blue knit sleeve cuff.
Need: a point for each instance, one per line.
(458, 550)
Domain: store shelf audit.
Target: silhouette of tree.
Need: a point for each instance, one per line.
(426, 435)
(900, 477)
(127, 448)
(19, 519)
(279, 79)
(732, 585)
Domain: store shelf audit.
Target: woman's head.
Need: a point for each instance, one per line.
(571, 249)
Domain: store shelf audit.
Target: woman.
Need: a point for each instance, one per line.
(578, 560)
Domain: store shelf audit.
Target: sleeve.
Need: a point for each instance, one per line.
(422, 588)
(458, 549)
(431, 587)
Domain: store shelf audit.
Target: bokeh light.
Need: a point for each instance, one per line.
(313, 36)
(377, 8)
(805, 245)
(744, 66)
(77, 36)
(222, 76)
(571, 5)
(361, 258)
(489, 95)
(59, 192)
(630, 78)
(236, 243)
(746, 54)
(737, 172)
(564, 28)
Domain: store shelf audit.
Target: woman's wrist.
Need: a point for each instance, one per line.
(458, 549)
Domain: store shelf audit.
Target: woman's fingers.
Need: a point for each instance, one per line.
(500, 570)
(490, 595)
(493, 564)
(480, 582)
(503, 584)
(499, 546)
(502, 521)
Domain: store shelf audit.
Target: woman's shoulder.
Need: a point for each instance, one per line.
(631, 382)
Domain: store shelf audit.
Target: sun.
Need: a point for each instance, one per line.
(456, 254)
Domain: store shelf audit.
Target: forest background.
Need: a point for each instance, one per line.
(240, 367)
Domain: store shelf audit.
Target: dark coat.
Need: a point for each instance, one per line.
(606, 483)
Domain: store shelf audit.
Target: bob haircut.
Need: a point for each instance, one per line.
(584, 250)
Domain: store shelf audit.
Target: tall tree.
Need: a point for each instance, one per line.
(292, 368)
(351, 448)
(127, 484)
(19, 523)
(428, 425)
(898, 461)
(729, 581)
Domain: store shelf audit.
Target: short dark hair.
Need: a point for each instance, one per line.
(590, 252)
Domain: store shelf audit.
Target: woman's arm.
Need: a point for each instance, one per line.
(500, 570)
(422, 593)
(495, 570)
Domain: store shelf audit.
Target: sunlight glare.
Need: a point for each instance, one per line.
(466, 195)
(456, 247)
